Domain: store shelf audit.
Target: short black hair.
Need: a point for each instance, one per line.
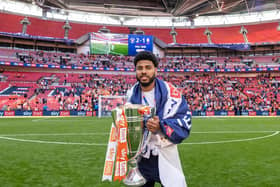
(146, 55)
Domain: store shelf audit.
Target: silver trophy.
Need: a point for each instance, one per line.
(137, 138)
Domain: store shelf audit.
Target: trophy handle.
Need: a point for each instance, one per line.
(146, 133)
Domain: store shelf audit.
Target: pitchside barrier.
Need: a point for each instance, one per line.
(237, 113)
(107, 113)
(46, 113)
(108, 103)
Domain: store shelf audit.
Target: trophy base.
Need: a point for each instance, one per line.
(134, 178)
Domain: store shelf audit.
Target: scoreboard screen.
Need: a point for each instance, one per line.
(120, 44)
(137, 43)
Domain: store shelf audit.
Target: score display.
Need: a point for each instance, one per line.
(120, 44)
(137, 43)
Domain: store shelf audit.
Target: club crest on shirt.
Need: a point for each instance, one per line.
(168, 130)
(174, 92)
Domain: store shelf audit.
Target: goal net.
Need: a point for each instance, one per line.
(109, 102)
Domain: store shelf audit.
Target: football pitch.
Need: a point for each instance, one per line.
(70, 152)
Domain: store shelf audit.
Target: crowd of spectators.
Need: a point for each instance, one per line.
(171, 62)
(222, 93)
(204, 92)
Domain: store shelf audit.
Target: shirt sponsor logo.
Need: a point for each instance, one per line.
(168, 130)
(174, 92)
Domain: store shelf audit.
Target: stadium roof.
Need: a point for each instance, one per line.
(187, 8)
(150, 13)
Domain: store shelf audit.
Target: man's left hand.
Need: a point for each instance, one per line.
(153, 124)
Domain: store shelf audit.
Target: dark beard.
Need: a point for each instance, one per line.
(146, 84)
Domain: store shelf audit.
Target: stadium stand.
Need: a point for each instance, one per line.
(112, 61)
(205, 92)
(257, 33)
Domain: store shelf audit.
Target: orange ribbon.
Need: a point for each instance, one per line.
(121, 158)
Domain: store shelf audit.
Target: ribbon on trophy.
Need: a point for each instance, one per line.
(116, 155)
(128, 139)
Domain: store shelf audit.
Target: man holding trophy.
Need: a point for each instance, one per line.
(160, 161)
(147, 130)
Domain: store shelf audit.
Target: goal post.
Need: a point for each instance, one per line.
(107, 103)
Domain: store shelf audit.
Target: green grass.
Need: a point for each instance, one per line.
(221, 152)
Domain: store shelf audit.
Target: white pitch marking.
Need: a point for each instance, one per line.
(231, 141)
(107, 133)
(58, 134)
(52, 119)
(230, 132)
(191, 143)
(50, 142)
